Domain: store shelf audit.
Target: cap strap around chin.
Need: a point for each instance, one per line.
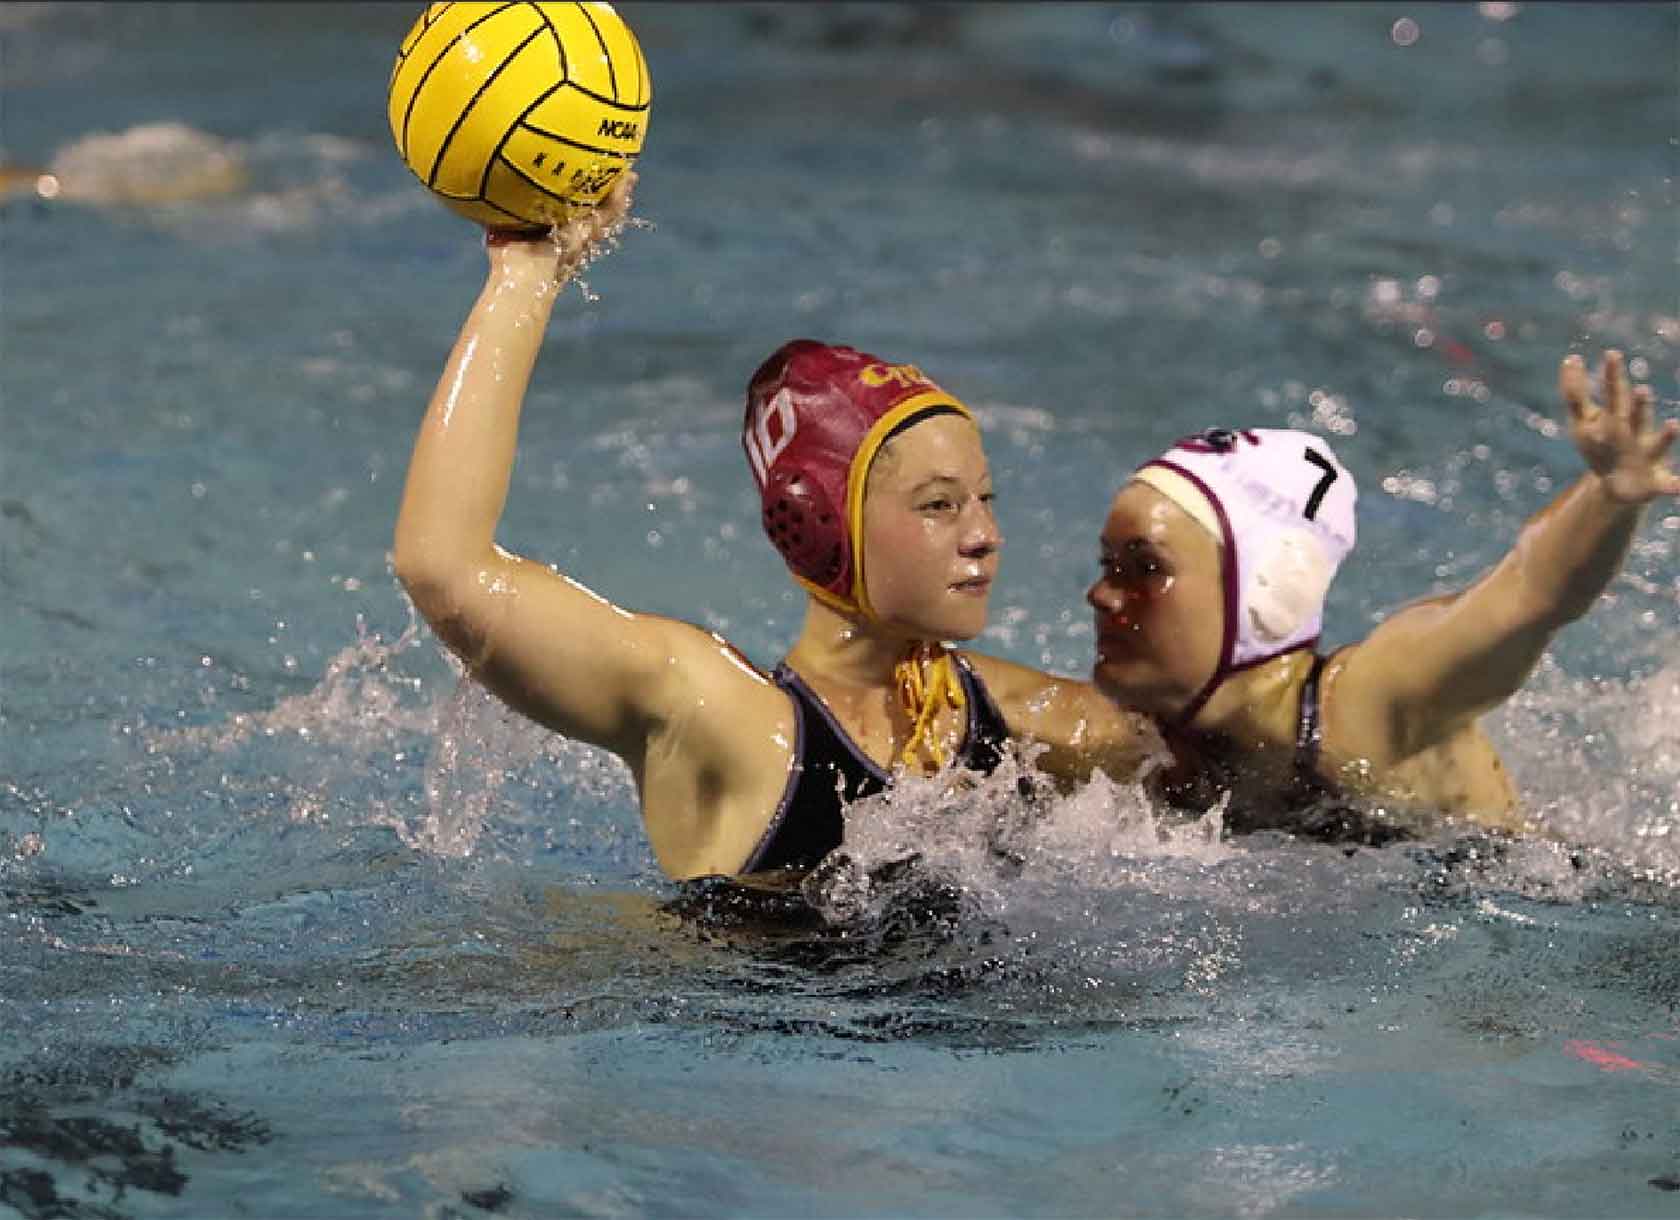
(1183, 719)
(927, 680)
(832, 600)
(1191, 709)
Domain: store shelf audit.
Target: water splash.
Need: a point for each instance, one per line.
(1599, 760)
(477, 744)
(345, 753)
(1009, 841)
(361, 703)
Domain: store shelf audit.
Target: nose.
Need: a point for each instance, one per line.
(982, 536)
(1105, 598)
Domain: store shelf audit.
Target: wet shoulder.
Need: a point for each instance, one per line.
(1082, 728)
(1018, 689)
(714, 774)
(1461, 777)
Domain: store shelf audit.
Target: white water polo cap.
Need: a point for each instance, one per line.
(1282, 509)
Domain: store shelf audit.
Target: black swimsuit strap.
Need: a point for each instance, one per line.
(988, 731)
(1309, 723)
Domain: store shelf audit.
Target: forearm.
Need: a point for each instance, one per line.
(462, 464)
(1569, 552)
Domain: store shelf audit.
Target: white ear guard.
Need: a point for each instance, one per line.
(1286, 586)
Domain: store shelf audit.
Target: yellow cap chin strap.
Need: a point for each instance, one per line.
(927, 680)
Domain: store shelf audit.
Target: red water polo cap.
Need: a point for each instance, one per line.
(817, 414)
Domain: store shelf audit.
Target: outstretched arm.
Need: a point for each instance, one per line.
(1441, 663)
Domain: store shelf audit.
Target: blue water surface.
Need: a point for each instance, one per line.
(298, 923)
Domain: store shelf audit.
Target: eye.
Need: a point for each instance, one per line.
(1133, 567)
(938, 504)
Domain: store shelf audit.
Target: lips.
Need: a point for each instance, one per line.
(973, 584)
(1117, 637)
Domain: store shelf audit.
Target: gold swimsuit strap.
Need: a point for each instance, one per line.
(927, 680)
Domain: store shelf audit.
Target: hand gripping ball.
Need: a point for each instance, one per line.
(519, 115)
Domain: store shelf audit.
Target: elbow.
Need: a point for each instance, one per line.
(443, 597)
(416, 566)
(431, 576)
(428, 589)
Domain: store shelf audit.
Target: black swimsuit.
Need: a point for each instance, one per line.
(829, 771)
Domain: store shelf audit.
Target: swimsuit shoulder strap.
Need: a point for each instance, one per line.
(1309, 722)
(823, 729)
(988, 731)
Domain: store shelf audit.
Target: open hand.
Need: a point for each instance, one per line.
(1616, 437)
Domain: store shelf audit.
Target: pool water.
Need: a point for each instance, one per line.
(298, 923)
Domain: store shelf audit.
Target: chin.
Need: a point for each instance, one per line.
(963, 629)
(1110, 679)
(1106, 684)
(964, 624)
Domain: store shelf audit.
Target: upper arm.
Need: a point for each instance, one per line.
(1079, 729)
(571, 660)
(1434, 666)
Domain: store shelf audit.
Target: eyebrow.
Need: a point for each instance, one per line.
(941, 479)
(1132, 545)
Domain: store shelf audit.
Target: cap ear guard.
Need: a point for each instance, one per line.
(802, 525)
(1288, 585)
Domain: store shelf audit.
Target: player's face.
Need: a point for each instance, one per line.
(1159, 602)
(930, 540)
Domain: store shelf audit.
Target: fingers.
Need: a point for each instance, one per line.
(1662, 440)
(1613, 382)
(1656, 442)
(1572, 386)
(1667, 478)
(1639, 411)
(623, 191)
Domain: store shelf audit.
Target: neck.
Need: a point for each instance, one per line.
(1253, 708)
(847, 649)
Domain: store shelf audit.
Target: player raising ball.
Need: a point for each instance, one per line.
(874, 488)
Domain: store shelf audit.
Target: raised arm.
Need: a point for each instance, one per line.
(549, 647)
(1440, 663)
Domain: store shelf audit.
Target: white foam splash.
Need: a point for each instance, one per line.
(1010, 839)
(359, 704)
(477, 744)
(367, 717)
(1598, 762)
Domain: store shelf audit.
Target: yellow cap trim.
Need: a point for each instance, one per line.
(858, 475)
(834, 601)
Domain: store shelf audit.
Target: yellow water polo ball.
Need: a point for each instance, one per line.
(519, 115)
